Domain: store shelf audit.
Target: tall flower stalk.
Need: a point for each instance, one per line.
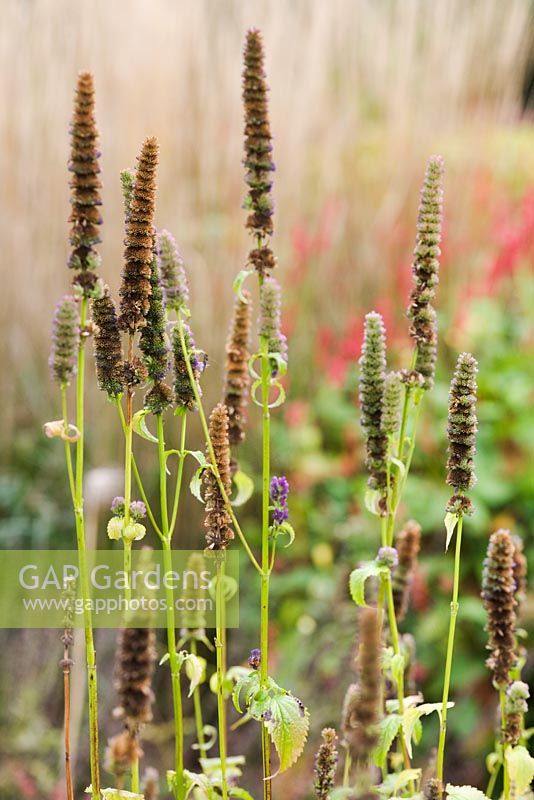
(461, 432)
(85, 219)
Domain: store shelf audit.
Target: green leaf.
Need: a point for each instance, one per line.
(396, 781)
(195, 668)
(239, 281)
(286, 528)
(372, 497)
(397, 668)
(119, 794)
(357, 580)
(195, 485)
(281, 395)
(464, 793)
(412, 717)
(451, 521)
(164, 659)
(288, 728)
(245, 689)
(399, 466)
(281, 363)
(389, 728)
(242, 794)
(520, 768)
(139, 425)
(199, 456)
(342, 793)
(245, 488)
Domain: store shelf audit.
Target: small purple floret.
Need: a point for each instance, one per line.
(388, 557)
(279, 490)
(254, 658)
(117, 506)
(137, 509)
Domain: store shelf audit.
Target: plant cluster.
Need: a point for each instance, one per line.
(148, 344)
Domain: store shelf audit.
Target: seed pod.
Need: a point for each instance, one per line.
(325, 764)
(391, 412)
(498, 590)
(136, 657)
(372, 385)
(270, 322)
(361, 713)
(65, 340)
(461, 431)
(258, 148)
(85, 182)
(139, 252)
(183, 391)
(237, 378)
(425, 271)
(172, 272)
(408, 543)
(107, 345)
(217, 520)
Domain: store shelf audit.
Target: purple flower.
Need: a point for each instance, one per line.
(279, 490)
(117, 506)
(137, 509)
(254, 658)
(388, 557)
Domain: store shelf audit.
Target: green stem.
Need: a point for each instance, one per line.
(127, 562)
(404, 420)
(265, 565)
(197, 705)
(219, 646)
(211, 453)
(68, 455)
(395, 640)
(171, 623)
(82, 561)
(493, 779)
(506, 774)
(346, 769)
(135, 775)
(450, 650)
(179, 476)
(137, 474)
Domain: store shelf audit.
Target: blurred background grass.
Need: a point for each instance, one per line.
(363, 91)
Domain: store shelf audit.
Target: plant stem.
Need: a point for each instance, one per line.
(127, 562)
(450, 650)
(265, 566)
(135, 774)
(138, 476)
(219, 646)
(506, 775)
(211, 453)
(493, 779)
(179, 476)
(197, 705)
(82, 561)
(394, 631)
(66, 721)
(171, 624)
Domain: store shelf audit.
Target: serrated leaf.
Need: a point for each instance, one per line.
(371, 500)
(358, 578)
(464, 793)
(245, 488)
(288, 727)
(195, 669)
(451, 521)
(237, 285)
(389, 728)
(139, 425)
(520, 767)
(396, 781)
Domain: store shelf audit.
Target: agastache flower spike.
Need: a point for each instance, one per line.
(138, 255)
(136, 655)
(153, 345)
(217, 521)
(183, 392)
(237, 378)
(425, 271)
(270, 322)
(326, 764)
(520, 571)
(258, 162)
(362, 705)
(461, 433)
(108, 345)
(498, 593)
(408, 543)
(391, 411)
(372, 385)
(172, 273)
(65, 340)
(85, 185)
(515, 708)
(279, 491)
